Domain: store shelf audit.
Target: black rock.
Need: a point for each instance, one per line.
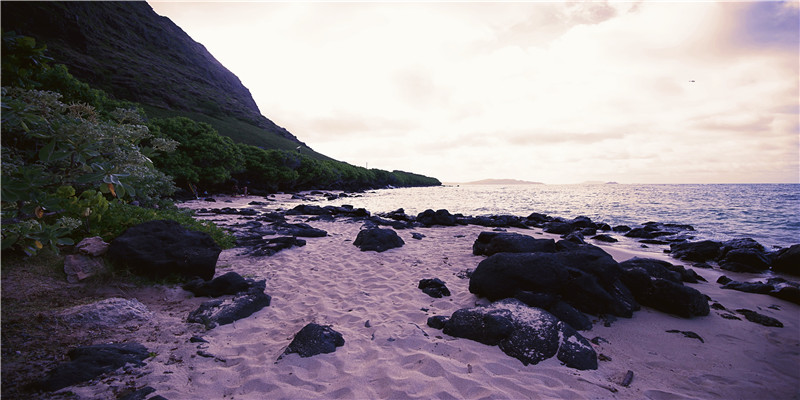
(299, 230)
(417, 236)
(722, 280)
(688, 334)
(438, 217)
(586, 277)
(268, 247)
(89, 362)
(605, 238)
(787, 260)
(559, 227)
(161, 248)
(225, 311)
(434, 287)
(762, 319)
(229, 283)
(696, 251)
(571, 316)
(314, 339)
(140, 394)
(489, 243)
(528, 334)
(665, 295)
(487, 326)
(377, 239)
(437, 321)
(745, 259)
(749, 287)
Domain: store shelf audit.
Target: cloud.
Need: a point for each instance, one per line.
(553, 92)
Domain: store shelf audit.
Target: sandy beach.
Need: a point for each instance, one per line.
(372, 299)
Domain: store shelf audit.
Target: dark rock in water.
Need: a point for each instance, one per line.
(496, 221)
(575, 237)
(528, 334)
(665, 295)
(787, 260)
(398, 215)
(605, 238)
(438, 217)
(722, 280)
(586, 277)
(696, 251)
(390, 222)
(377, 239)
(641, 233)
(314, 339)
(775, 287)
(89, 362)
(269, 247)
(621, 228)
(489, 243)
(558, 227)
(161, 248)
(702, 265)
(537, 219)
(230, 283)
(738, 244)
(225, 311)
(416, 235)
(744, 260)
(434, 287)
(437, 321)
(762, 319)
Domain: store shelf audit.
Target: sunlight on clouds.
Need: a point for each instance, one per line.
(552, 92)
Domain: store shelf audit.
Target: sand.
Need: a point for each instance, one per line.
(372, 299)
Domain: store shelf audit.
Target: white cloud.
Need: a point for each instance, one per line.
(549, 92)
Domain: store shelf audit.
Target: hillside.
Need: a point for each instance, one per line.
(132, 53)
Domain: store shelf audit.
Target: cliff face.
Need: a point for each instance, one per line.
(132, 53)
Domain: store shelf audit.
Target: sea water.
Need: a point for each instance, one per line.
(768, 213)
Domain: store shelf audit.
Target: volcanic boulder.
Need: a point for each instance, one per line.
(161, 248)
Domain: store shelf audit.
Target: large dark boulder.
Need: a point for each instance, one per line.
(787, 260)
(225, 311)
(696, 251)
(661, 269)
(161, 248)
(89, 362)
(585, 276)
(528, 334)
(665, 295)
(489, 243)
(438, 217)
(314, 339)
(377, 239)
(745, 259)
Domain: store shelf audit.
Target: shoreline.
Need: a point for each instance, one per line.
(389, 352)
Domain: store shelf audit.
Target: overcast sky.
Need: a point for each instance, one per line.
(695, 92)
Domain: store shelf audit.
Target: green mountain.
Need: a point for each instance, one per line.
(132, 53)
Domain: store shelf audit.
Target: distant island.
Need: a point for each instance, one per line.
(502, 182)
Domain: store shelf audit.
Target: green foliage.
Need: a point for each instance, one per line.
(203, 157)
(51, 151)
(122, 216)
(22, 60)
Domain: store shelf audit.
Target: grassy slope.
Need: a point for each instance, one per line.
(238, 130)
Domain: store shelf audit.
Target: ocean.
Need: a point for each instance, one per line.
(768, 213)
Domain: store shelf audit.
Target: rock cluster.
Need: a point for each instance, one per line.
(528, 334)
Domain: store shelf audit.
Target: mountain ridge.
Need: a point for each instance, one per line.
(129, 51)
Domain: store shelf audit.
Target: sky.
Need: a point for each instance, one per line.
(553, 92)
